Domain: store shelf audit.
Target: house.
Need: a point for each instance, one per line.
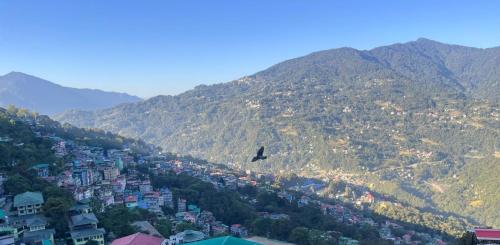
(84, 228)
(186, 236)
(83, 221)
(487, 236)
(80, 209)
(190, 217)
(225, 240)
(28, 203)
(152, 200)
(82, 193)
(42, 170)
(238, 230)
(139, 239)
(145, 186)
(80, 237)
(218, 228)
(131, 201)
(7, 239)
(109, 172)
(166, 195)
(83, 176)
(181, 205)
(44, 236)
(347, 241)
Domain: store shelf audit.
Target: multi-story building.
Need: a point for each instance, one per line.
(166, 194)
(28, 203)
(181, 205)
(84, 228)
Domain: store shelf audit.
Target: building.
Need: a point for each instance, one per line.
(44, 236)
(218, 228)
(139, 239)
(186, 236)
(80, 237)
(145, 186)
(238, 230)
(109, 172)
(181, 205)
(131, 201)
(42, 170)
(347, 241)
(84, 228)
(83, 176)
(166, 195)
(225, 240)
(152, 200)
(486, 236)
(28, 203)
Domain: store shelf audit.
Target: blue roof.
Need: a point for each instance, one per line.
(225, 240)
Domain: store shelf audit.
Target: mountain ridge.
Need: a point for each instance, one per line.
(43, 96)
(410, 119)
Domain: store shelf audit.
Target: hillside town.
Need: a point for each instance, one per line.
(116, 177)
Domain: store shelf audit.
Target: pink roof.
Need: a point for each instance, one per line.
(138, 239)
(131, 199)
(488, 234)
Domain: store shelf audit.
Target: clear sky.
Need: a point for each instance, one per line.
(149, 47)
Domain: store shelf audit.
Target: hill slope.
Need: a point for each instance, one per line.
(45, 97)
(412, 120)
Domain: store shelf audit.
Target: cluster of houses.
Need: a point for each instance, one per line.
(97, 173)
(24, 222)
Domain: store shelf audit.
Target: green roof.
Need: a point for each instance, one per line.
(28, 198)
(41, 165)
(225, 240)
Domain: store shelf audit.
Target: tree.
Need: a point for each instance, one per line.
(165, 228)
(261, 226)
(55, 208)
(185, 226)
(300, 236)
(17, 184)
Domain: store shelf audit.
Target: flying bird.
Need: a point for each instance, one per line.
(260, 155)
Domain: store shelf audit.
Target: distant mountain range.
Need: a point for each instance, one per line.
(418, 121)
(45, 97)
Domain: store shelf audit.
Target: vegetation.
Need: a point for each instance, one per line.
(413, 115)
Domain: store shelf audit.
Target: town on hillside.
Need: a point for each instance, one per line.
(106, 189)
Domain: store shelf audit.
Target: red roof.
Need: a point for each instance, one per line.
(138, 239)
(488, 234)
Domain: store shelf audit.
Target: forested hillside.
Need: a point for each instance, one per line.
(419, 121)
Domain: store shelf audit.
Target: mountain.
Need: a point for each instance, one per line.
(45, 97)
(418, 121)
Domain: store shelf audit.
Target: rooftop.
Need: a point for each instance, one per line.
(225, 240)
(86, 233)
(83, 219)
(40, 235)
(36, 220)
(138, 239)
(487, 234)
(28, 198)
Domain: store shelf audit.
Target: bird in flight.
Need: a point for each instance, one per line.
(260, 155)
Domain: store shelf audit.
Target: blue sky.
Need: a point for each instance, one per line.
(147, 48)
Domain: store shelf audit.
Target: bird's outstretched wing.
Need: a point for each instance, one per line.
(255, 159)
(260, 152)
